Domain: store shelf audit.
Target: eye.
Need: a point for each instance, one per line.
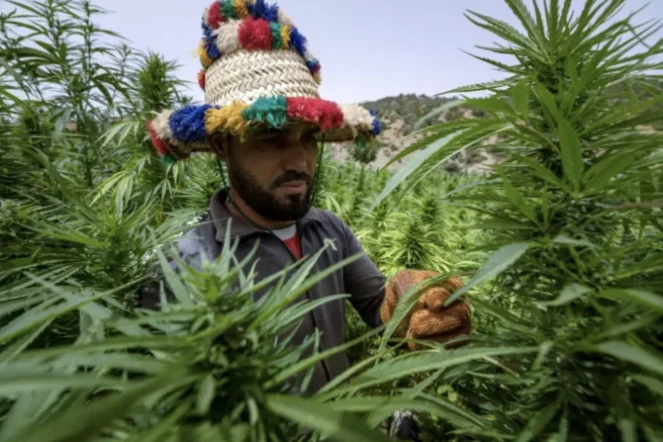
(310, 138)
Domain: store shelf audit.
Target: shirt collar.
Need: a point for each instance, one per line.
(238, 226)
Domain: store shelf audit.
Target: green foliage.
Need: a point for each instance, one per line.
(573, 218)
(560, 247)
(87, 216)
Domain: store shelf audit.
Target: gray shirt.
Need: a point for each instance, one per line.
(361, 279)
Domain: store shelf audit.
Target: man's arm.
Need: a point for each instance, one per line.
(363, 280)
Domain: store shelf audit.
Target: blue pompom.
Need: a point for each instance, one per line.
(212, 50)
(188, 123)
(313, 65)
(262, 10)
(271, 13)
(298, 41)
(377, 127)
(372, 112)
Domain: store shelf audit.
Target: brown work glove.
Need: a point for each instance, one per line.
(429, 319)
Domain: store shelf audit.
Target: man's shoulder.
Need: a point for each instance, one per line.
(198, 237)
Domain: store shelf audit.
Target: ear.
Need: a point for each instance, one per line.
(220, 144)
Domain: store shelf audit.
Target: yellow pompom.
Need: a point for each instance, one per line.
(227, 119)
(241, 8)
(285, 36)
(317, 78)
(204, 58)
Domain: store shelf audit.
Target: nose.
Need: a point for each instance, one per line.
(296, 158)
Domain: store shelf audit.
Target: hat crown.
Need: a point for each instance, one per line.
(251, 49)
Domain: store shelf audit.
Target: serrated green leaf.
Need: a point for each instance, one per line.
(572, 161)
(542, 171)
(495, 264)
(437, 111)
(646, 299)
(538, 422)
(403, 173)
(319, 417)
(630, 352)
(520, 95)
(654, 385)
(607, 169)
(518, 200)
(205, 396)
(428, 361)
(570, 293)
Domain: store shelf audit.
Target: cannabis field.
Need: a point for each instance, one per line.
(560, 248)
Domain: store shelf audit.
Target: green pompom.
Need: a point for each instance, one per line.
(228, 10)
(168, 159)
(277, 41)
(269, 110)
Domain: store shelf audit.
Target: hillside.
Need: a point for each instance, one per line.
(399, 115)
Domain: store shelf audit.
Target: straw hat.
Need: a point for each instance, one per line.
(257, 72)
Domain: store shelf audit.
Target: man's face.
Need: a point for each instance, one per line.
(273, 170)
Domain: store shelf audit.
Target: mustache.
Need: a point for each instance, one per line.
(290, 176)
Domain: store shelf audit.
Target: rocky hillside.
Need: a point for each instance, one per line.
(400, 114)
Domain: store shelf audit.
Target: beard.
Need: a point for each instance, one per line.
(263, 202)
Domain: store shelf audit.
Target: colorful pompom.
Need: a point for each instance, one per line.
(260, 9)
(357, 117)
(188, 124)
(211, 49)
(161, 125)
(377, 124)
(284, 19)
(298, 41)
(228, 9)
(227, 40)
(377, 127)
(277, 42)
(326, 114)
(313, 66)
(159, 144)
(201, 79)
(317, 78)
(227, 119)
(255, 35)
(214, 16)
(168, 159)
(269, 110)
(285, 36)
(205, 59)
(241, 8)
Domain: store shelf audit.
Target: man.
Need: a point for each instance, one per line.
(264, 119)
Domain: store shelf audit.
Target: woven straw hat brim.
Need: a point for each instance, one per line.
(187, 129)
(251, 89)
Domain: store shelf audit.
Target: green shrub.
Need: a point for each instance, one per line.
(573, 216)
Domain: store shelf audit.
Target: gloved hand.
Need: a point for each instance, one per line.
(428, 319)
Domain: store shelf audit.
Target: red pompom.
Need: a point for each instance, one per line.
(201, 79)
(159, 145)
(215, 17)
(325, 113)
(255, 35)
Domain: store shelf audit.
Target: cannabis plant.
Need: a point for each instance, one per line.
(574, 215)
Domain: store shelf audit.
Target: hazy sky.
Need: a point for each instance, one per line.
(368, 48)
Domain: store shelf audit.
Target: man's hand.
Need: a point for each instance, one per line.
(429, 319)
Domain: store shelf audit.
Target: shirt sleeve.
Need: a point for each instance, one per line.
(363, 281)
